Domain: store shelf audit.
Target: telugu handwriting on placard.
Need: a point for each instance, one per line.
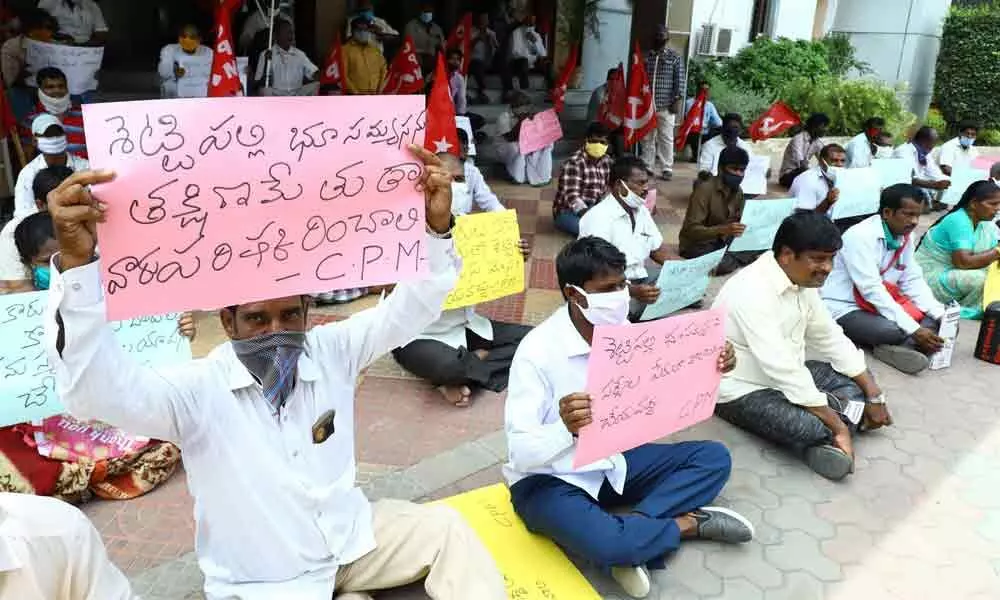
(226, 201)
(80, 64)
(650, 380)
(492, 263)
(27, 381)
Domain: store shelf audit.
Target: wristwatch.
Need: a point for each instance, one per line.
(880, 399)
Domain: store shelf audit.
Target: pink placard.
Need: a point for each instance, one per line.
(651, 199)
(650, 380)
(985, 162)
(539, 131)
(233, 200)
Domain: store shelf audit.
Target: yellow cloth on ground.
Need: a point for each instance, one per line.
(991, 291)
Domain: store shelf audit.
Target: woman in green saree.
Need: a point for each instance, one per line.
(959, 248)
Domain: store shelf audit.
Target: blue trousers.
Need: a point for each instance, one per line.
(663, 481)
(567, 222)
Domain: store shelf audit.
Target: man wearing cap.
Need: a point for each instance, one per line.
(50, 139)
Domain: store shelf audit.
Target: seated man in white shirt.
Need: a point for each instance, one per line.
(50, 139)
(463, 350)
(14, 276)
(959, 151)
(665, 488)
(815, 190)
(266, 424)
(290, 70)
(775, 319)
(176, 58)
(49, 549)
(927, 175)
(863, 147)
(877, 255)
(708, 158)
(623, 219)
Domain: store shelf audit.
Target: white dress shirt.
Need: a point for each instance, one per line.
(81, 21)
(173, 54)
(772, 324)
(952, 154)
(289, 68)
(11, 267)
(708, 157)
(859, 152)
(609, 221)
(50, 551)
(810, 189)
(24, 196)
(931, 171)
(527, 43)
(276, 514)
(860, 264)
(480, 193)
(549, 364)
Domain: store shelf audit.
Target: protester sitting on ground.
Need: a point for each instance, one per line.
(81, 20)
(960, 151)
(428, 37)
(775, 318)
(527, 55)
(173, 57)
(957, 250)
(665, 488)
(712, 219)
(35, 24)
(815, 190)
(883, 145)
(927, 175)
(536, 167)
(364, 64)
(484, 47)
(290, 71)
(863, 147)
(50, 139)
(463, 351)
(52, 550)
(877, 292)
(228, 411)
(583, 180)
(802, 147)
(729, 137)
(54, 99)
(623, 220)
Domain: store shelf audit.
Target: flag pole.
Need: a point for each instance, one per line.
(270, 46)
(15, 138)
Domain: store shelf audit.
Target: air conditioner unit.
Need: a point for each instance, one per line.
(715, 41)
(723, 42)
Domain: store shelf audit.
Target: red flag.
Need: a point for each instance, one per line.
(640, 114)
(404, 76)
(611, 113)
(776, 120)
(225, 79)
(693, 122)
(441, 134)
(333, 70)
(562, 84)
(461, 38)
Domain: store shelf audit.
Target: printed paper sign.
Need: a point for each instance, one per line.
(762, 219)
(651, 199)
(232, 200)
(860, 190)
(893, 170)
(28, 384)
(682, 283)
(197, 72)
(533, 567)
(755, 179)
(649, 380)
(949, 333)
(79, 63)
(539, 131)
(492, 263)
(961, 179)
(465, 125)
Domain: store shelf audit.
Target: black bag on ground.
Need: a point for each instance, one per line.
(988, 346)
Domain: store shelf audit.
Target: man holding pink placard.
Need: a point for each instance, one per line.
(266, 422)
(666, 486)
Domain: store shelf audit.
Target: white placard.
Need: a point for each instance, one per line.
(755, 179)
(198, 70)
(860, 190)
(79, 63)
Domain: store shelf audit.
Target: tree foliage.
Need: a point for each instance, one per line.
(964, 86)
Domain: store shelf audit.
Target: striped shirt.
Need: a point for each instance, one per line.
(665, 70)
(72, 121)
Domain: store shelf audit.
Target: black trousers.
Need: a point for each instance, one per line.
(868, 330)
(787, 179)
(731, 261)
(520, 68)
(441, 364)
(477, 73)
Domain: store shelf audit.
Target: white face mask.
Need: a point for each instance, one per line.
(832, 172)
(631, 199)
(52, 105)
(52, 146)
(460, 195)
(607, 308)
(884, 152)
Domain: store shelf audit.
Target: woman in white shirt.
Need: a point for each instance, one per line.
(177, 60)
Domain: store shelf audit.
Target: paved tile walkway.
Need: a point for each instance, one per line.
(919, 519)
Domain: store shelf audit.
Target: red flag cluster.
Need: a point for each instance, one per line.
(333, 70)
(440, 132)
(562, 84)
(404, 76)
(225, 79)
(461, 38)
(630, 108)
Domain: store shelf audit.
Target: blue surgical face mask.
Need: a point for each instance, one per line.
(966, 142)
(427, 17)
(40, 277)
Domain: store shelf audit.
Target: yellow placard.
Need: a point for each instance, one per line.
(991, 293)
(533, 567)
(492, 264)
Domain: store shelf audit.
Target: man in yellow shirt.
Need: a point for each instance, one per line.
(364, 64)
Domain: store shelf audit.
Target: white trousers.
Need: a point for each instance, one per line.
(535, 168)
(418, 540)
(658, 146)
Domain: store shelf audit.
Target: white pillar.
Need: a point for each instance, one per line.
(599, 55)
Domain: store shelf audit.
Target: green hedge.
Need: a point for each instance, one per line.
(767, 66)
(848, 103)
(966, 86)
